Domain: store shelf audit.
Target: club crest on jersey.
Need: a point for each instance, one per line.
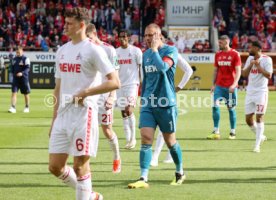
(229, 57)
(148, 60)
(62, 57)
(78, 56)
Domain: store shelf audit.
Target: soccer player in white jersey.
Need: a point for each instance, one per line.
(186, 68)
(74, 129)
(106, 101)
(130, 60)
(258, 68)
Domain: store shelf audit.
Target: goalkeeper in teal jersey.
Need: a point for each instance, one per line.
(158, 104)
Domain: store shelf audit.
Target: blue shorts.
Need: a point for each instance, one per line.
(22, 84)
(165, 118)
(222, 94)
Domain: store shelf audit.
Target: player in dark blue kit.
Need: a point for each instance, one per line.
(20, 71)
(158, 104)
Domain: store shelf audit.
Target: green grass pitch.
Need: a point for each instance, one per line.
(216, 170)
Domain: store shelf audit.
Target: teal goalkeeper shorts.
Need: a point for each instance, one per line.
(165, 118)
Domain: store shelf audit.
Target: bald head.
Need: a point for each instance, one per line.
(155, 27)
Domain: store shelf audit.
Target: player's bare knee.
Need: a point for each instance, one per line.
(55, 169)
(146, 139)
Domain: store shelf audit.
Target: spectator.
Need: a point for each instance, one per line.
(233, 26)
(235, 41)
(20, 70)
(207, 47)
(127, 15)
(268, 4)
(109, 18)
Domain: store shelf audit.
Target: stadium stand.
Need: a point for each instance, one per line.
(246, 21)
(37, 25)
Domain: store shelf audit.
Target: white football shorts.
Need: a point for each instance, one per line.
(127, 96)
(105, 116)
(75, 132)
(256, 103)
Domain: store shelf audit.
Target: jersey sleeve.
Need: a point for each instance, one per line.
(27, 65)
(101, 61)
(186, 68)
(173, 55)
(237, 59)
(114, 59)
(216, 60)
(139, 56)
(268, 65)
(160, 64)
(27, 62)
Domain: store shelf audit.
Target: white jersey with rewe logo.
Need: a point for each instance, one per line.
(79, 66)
(257, 82)
(111, 54)
(129, 60)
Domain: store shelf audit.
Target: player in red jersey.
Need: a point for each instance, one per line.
(226, 76)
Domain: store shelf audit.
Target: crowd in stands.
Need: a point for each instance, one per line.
(38, 25)
(247, 20)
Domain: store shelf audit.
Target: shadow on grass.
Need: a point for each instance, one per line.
(30, 185)
(216, 181)
(222, 169)
(25, 173)
(24, 148)
(37, 126)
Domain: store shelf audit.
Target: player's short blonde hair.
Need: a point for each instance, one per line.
(90, 29)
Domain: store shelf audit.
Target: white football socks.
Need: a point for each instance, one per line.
(84, 187)
(132, 124)
(114, 145)
(127, 130)
(259, 133)
(69, 177)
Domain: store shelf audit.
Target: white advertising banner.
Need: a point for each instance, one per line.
(199, 57)
(188, 12)
(188, 34)
(34, 56)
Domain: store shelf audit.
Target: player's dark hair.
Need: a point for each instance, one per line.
(165, 34)
(80, 14)
(256, 44)
(127, 32)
